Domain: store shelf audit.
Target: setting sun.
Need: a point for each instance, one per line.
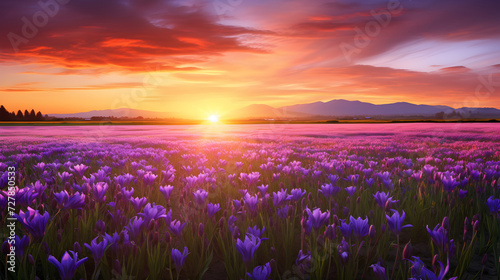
(213, 118)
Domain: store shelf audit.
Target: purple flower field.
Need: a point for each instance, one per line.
(344, 201)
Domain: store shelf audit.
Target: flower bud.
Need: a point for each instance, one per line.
(372, 232)
(407, 251)
(445, 223)
(201, 229)
(335, 220)
(77, 248)
(31, 260)
(330, 232)
(46, 248)
(434, 261)
(484, 261)
(346, 211)
(117, 267)
(236, 232)
(475, 228)
(99, 227)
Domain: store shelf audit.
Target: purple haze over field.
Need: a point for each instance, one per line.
(261, 131)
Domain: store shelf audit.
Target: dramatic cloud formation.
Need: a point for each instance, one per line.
(199, 57)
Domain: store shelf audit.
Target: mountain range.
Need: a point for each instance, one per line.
(117, 113)
(337, 108)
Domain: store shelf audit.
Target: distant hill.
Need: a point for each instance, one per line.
(122, 112)
(337, 108)
(343, 108)
(261, 111)
(340, 107)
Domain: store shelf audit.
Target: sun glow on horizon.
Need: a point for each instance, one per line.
(213, 118)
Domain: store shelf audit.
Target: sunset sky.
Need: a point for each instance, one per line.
(198, 58)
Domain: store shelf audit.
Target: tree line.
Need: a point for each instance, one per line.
(27, 116)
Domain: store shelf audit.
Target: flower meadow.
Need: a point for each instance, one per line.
(300, 203)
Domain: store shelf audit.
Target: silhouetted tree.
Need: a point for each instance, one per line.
(32, 115)
(4, 114)
(12, 116)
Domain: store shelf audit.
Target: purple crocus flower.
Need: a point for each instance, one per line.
(100, 189)
(345, 229)
(263, 189)
(65, 176)
(212, 209)
(462, 194)
(359, 227)
(449, 183)
(179, 258)
(328, 190)
(251, 202)
(350, 190)
(97, 249)
(257, 232)
(493, 205)
(134, 227)
(149, 178)
(419, 271)
(124, 180)
(333, 178)
(79, 169)
(112, 240)
(344, 251)
(395, 222)
(247, 247)
(316, 218)
(200, 196)
(283, 212)
(303, 262)
(126, 193)
(439, 236)
(370, 182)
(379, 271)
(261, 272)
(20, 245)
(153, 212)
(279, 197)
(296, 194)
(166, 191)
(33, 222)
(137, 203)
(68, 265)
(176, 227)
(382, 198)
(76, 201)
